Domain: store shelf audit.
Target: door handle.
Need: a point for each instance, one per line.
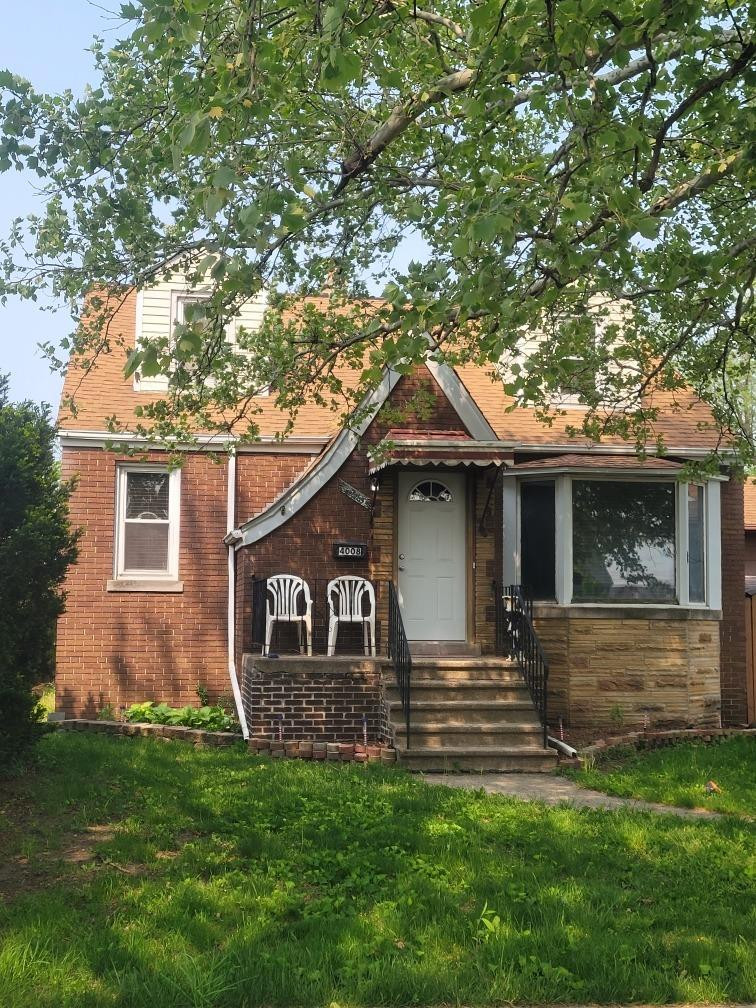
(402, 556)
(400, 567)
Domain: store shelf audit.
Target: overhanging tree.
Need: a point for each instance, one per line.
(552, 160)
(36, 547)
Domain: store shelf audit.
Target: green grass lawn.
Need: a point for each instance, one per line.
(678, 775)
(144, 873)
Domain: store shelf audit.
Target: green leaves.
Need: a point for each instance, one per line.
(501, 169)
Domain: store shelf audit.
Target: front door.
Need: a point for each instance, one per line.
(432, 555)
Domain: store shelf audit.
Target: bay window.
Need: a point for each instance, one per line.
(584, 540)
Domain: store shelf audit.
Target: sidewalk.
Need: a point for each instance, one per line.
(555, 790)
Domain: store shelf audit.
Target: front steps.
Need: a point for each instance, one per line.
(468, 714)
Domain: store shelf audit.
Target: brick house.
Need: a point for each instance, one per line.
(621, 559)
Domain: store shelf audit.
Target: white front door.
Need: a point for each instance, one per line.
(432, 555)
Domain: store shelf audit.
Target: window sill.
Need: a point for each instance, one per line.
(648, 611)
(153, 585)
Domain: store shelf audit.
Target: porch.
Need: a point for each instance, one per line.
(452, 709)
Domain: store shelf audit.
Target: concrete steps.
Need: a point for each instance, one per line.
(468, 714)
(481, 759)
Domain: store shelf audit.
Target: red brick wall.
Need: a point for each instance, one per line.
(313, 701)
(120, 648)
(303, 544)
(732, 627)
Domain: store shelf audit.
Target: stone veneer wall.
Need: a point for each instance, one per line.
(322, 701)
(665, 670)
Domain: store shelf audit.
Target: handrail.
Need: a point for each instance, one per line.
(516, 637)
(399, 653)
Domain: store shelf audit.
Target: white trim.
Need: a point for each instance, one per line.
(713, 550)
(563, 544)
(171, 574)
(563, 539)
(682, 571)
(305, 488)
(231, 601)
(511, 532)
(456, 392)
(213, 442)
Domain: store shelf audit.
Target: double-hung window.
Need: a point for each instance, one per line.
(147, 523)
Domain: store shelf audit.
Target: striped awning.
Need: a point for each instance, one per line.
(438, 448)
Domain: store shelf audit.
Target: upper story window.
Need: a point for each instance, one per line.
(167, 304)
(620, 541)
(431, 491)
(147, 523)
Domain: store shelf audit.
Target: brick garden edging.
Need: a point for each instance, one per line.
(178, 732)
(339, 752)
(658, 739)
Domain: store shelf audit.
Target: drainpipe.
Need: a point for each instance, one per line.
(230, 521)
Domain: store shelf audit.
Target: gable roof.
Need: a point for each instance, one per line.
(685, 423)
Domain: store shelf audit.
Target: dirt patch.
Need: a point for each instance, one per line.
(41, 846)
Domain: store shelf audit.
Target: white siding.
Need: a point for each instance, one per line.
(155, 314)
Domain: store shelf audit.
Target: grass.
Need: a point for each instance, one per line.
(144, 873)
(678, 775)
(47, 699)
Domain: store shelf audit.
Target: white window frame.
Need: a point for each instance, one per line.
(179, 296)
(120, 572)
(563, 541)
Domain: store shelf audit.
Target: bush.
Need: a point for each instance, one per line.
(206, 718)
(36, 547)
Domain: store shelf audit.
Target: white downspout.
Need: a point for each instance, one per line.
(230, 521)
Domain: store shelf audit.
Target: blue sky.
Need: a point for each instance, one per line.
(46, 42)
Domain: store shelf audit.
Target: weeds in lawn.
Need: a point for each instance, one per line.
(231, 880)
(680, 775)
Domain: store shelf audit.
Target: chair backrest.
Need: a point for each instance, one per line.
(284, 591)
(346, 595)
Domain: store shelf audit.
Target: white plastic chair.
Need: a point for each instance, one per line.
(284, 593)
(346, 596)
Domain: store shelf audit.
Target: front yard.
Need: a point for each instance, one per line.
(139, 872)
(679, 775)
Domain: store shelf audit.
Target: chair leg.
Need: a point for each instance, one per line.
(372, 636)
(268, 635)
(307, 623)
(365, 637)
(300, 635)
(332, 631)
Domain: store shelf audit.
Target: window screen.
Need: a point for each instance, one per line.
(146, 526)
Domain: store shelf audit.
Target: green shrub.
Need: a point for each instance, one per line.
(36, 547)
(206, 718)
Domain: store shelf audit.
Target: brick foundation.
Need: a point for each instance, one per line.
(323, 701)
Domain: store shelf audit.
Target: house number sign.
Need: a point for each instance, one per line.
(355, 495)
(350, 551)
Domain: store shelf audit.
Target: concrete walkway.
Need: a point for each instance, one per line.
(555, 790)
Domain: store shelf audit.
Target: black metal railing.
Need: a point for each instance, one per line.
(399, 654)
(516, 638)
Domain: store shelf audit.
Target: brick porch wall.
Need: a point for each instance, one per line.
(317, 701)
